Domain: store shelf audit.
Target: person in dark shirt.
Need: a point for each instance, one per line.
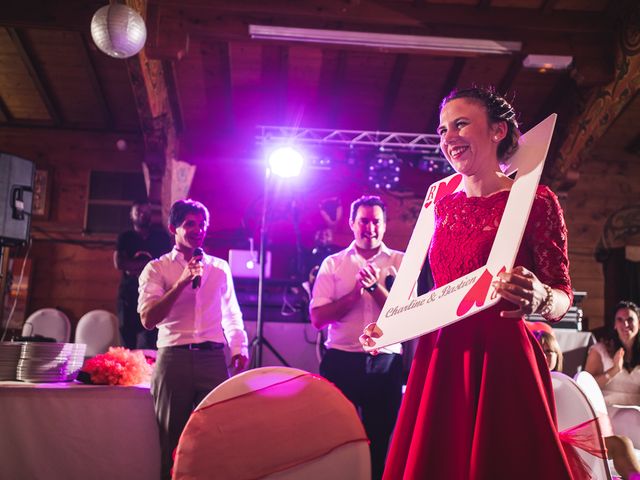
(134, 249)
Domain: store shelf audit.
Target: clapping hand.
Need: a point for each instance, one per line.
(618, 359)
(368, 275)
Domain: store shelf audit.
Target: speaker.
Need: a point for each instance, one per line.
(16, 199)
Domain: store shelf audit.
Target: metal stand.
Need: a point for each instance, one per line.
(259, 340)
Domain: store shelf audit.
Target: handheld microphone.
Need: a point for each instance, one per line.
(197, 253)
(391, 276)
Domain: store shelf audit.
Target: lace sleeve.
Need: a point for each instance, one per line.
(547, 236)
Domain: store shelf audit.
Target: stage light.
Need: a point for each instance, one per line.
(384, 171)
(286, 162)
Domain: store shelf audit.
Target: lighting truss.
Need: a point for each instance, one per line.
(419, 143)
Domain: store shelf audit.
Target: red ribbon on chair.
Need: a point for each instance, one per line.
(585, 436)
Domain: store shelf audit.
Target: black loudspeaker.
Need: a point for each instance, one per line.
(16, 199)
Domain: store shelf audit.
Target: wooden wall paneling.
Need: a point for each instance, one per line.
(71, 270)
(74, 278)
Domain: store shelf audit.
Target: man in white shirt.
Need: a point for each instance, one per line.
(189, 297)
(348, 294)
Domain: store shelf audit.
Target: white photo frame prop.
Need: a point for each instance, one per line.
(405, 316)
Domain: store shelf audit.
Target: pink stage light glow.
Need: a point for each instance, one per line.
(286, 162)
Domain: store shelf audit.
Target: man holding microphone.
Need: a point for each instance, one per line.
(189, 297)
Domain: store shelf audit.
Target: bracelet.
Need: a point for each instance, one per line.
(371, 288)
(547, 305)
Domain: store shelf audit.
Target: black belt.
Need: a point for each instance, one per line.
(201, 346)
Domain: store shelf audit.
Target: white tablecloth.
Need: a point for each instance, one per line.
(68, 431)
(574, 346)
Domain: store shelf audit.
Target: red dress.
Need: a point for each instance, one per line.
(479, 401)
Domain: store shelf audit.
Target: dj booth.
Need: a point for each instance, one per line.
(282, 300)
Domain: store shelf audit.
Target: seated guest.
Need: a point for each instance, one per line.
(615, 364)
(619, 447)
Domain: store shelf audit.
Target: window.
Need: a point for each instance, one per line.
(111, 195)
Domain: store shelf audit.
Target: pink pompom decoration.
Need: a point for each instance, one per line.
(119, 366)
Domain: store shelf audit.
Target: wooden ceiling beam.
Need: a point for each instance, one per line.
(274, 69)
(548, 6)
(392, 90)
(47, 125)
(5, 114)
(506, 82)
(70, 14)
(453, 76)
(165, 40)
(333, 88)
(586, 36)
(381, 13)
(173, 95)
(603, 107)
(98, 88)
(225, 60)
(24, 50)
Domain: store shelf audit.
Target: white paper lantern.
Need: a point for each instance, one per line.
(118, 31)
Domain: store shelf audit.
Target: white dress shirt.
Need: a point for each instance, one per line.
(208, 313)
(336, 278)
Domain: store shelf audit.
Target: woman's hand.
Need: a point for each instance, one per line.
(371, 331)
(521, 287)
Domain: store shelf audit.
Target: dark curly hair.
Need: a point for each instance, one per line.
(498, 110)
(181, 208)
(615, 344)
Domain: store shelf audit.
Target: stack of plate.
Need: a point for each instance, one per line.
(9, 356)
(50, 362)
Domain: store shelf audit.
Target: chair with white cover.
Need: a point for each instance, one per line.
(274, 423)
(48, 322)
(98, 329)
(592, 390)
(590, 387)
(574, 410)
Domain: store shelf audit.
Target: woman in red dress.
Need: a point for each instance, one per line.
(479, 401)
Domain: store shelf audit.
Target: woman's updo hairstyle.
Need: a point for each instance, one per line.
(498, 110)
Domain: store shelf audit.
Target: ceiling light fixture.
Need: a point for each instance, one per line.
(547, 62)
(385, 40)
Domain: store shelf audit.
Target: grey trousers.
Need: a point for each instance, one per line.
(180, 380)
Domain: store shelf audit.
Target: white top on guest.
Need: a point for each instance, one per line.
(624, 386)
(208, 313)
(336, 278)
